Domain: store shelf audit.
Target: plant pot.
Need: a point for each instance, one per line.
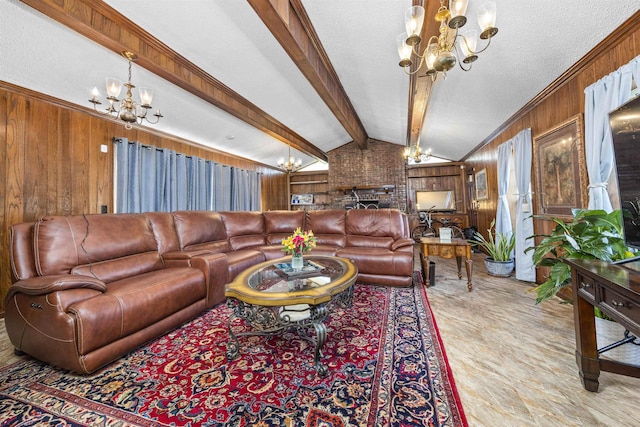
(499, 268)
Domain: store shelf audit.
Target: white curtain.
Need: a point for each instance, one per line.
(503, 216)
(150, 179)
(601, 97)
(522, 152)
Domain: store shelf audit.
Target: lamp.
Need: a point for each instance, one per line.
(127, 110)
(291, 164)
(443, 52)
(415, 154)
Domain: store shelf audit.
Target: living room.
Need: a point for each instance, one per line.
(59, 160)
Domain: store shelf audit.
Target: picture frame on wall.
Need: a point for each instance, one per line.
(482, 192)
(560, 168)
(302, 199)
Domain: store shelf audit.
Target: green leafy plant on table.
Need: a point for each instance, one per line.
(592, 234)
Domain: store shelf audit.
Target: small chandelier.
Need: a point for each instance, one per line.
(415, 155)
(443, 51)
(127, 110)
(291, 164)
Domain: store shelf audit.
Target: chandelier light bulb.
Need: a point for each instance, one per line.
(444, 51)
(413, 20)
(127, 110)
(458, 7)
(114, 87)
(290, 163)
(146, 96)
(487, 20)
(458, 10)
(404, 50)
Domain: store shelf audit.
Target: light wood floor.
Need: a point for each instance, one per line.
(513, 360)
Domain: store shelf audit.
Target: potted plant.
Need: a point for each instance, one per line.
(592, 234)
(500, 248)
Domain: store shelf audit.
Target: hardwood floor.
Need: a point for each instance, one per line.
(513, 360)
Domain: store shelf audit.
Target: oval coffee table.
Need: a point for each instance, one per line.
(271, 299)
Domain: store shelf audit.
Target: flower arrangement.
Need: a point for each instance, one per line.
(299, 242)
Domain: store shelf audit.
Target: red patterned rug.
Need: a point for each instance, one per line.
(387, 367)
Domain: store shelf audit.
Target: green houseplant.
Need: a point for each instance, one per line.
(592, 234)
(500, 248)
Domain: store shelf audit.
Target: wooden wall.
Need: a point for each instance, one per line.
(51, 163)
(560, 101)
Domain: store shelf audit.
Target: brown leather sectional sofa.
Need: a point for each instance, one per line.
(90, 288)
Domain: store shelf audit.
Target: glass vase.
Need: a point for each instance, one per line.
(297, 262)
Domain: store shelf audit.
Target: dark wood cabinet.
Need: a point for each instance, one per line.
(615, 290)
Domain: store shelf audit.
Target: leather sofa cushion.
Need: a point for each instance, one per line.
(120, 268)
(375, 223)
(244, 229)
(215, 247)
(64, 242)
(21, 251)
(279, 225)
(369, 242)
(283, 221)
(326, 222)
(328, 227)
(241, 260)
(379, 261)
(131, 304)
(197, 227)
(164, 230)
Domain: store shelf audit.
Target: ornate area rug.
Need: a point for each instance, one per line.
(387, 367)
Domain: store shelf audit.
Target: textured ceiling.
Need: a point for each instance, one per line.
(537, 41)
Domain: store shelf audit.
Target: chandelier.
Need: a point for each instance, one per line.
(290, 164)
(415, 154)
(127, 110)
(445, 50)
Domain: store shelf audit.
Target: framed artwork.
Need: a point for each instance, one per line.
(482, 193)
(302, 199)
(560, 168)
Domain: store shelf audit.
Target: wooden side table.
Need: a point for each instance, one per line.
(615, 290)
(458, 248)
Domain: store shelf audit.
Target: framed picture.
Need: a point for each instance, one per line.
(302, 199)
(482, 193)
(560, 168)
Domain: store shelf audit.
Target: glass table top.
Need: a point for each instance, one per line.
(268, 284)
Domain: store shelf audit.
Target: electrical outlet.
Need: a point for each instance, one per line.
(104, 209)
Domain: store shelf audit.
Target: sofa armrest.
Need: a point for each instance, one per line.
(43, 285)
(181, 258)
(400, 243)
(216, 272)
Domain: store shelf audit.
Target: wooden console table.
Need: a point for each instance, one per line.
(458, 248)
(615, 290)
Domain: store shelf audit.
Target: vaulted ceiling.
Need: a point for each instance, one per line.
(250, 76)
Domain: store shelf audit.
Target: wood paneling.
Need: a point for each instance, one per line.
(561, 100)
(51, 163)
(438, 177)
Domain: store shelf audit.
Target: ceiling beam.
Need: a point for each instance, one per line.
(104, 25)
(288, 22)
(420, 85)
